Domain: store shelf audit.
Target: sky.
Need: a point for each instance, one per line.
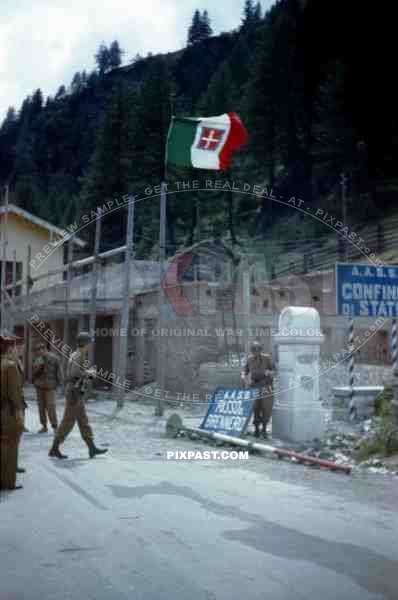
(44, 42)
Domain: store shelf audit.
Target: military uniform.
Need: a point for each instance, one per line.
(11, 421)
(47, 376)
(77, 385)
(21, 370)
(255, 372)
(22, 374)
(75, 410)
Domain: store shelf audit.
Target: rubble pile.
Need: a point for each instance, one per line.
(342, 445)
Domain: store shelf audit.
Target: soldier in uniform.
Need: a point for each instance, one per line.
(11, 414)
(19, 353)
(77, 384)
(259, 373)
(47, 376)
(15, 354)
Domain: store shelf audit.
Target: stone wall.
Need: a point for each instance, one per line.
(364, 375)
(191, 340)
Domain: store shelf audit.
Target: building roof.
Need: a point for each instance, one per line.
(20, 212)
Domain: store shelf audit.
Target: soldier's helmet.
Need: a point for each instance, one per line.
(83, 338)
(7, 339)
(256, 347)
(8, 336)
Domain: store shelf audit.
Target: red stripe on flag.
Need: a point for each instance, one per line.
(237, 137)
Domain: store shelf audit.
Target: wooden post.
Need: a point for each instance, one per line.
(14, 275)
(4, 261)
(162, 253)
(125, 312)
(246, 307)
(67, 292)
(28, 330)
(94, 284)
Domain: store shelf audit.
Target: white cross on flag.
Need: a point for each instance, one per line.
(210, 138)
(206, 142)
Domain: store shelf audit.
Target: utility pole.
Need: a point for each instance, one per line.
(28, 330)
(4, 261)
(197, 267)
(67, 291)
(125, 316)
(159, 410)
(246, 277)
(344, 209)
(94, 284)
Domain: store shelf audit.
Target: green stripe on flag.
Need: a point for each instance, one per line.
(180, 140)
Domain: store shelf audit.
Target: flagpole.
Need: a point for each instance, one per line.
(159, 410)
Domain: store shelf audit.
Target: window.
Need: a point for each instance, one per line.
(10, 274)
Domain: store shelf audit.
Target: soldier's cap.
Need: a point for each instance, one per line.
(83, 338)
(256, 347)
(7, 336)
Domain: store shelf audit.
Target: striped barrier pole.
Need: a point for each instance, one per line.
(175, 425)
(351, 366)
(394, 353)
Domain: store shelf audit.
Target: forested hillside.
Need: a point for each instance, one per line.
(312, 81)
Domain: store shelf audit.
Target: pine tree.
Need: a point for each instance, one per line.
(206, 30)
(264, 113)
(195, 30)
(218, 98)
(240, 61)
(152, 119)
(251, 16)
(76, 84)
(61, 93)
(93, 79)
(37, 103)
(111, 166)
(8, 134)
(115, 55)
(102, 59)
(248, 14)
(257, 14)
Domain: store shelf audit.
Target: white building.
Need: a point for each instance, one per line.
(29, 236)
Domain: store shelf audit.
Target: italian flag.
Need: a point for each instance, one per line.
(205, 142)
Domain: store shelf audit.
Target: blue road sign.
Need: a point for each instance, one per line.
(229, 411)
(366, 291)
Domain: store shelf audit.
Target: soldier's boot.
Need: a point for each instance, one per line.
(257, 431)
(93, 450)
(55, 451)
(43, 430)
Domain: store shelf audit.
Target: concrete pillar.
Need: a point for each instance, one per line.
(298, 415)
(116, 348)
(139, 358)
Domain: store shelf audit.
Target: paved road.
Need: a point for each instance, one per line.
(131, 525)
